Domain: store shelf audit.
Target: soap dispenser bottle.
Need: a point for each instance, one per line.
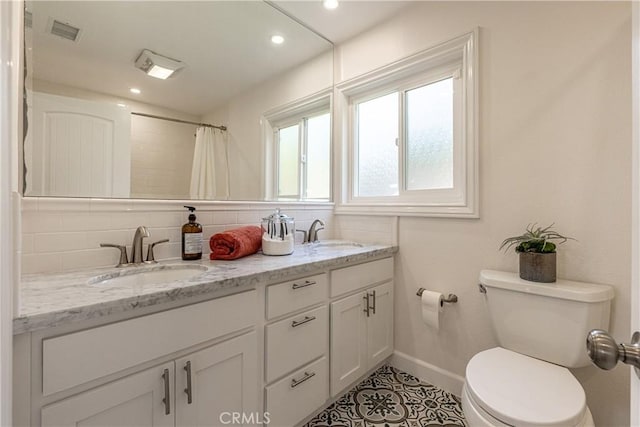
(191, 237)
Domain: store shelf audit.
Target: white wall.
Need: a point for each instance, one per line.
(243, 117)
(555, 146)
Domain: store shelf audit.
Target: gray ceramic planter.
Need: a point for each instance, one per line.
(537, 267)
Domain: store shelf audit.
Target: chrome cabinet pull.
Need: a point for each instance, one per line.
(366, 298)
(303, 285)
(167, 393)
(188, 390)
(373, 307)
(306, 319)
(295, 383)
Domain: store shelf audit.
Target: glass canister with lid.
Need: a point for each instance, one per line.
(277, 234)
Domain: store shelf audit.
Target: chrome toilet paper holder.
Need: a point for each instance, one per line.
(450, 299)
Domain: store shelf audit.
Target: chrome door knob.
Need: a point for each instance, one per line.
(605, 352)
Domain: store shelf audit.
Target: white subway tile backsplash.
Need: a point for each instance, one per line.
(37, 222)
(224, 217)
(85, 221)
(116, 237)
(250, 217)
(367, 229)
(88, 258)
(60, 242)
(27, 243)
(42, 263)
(57, 240)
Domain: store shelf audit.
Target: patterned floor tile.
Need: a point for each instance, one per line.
(392, 398)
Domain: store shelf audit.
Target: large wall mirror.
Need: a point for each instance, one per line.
(242, 117)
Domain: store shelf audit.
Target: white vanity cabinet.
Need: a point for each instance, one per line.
(296, 349)
(217, 382)
(275, 354)
(196, 390)
(361, 323)
(188, 366)
(134, 400)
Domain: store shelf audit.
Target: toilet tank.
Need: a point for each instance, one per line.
(548, 321)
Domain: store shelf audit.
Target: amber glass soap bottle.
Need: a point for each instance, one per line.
(191, 237)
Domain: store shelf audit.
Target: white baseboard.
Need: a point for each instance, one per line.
(427, 372)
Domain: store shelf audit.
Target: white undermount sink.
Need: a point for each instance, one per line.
(138, 276)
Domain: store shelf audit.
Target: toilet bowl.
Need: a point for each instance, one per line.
(541, 329)
(505, 388)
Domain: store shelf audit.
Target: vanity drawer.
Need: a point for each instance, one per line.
(299, 394)
(297, 340)
(352, 278)
(79, 357)
(293, 295)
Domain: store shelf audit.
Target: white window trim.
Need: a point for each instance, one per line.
(419, 66)
(284, 115)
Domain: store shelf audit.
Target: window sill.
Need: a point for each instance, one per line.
(410, 210)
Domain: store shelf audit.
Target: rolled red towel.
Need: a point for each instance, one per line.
(236, 243)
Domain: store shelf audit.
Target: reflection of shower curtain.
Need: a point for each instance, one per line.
(209, 174)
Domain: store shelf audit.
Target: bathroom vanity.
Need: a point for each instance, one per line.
(253, 341)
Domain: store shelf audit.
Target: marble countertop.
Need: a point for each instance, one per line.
(51, 300)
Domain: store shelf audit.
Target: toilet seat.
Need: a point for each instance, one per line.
(519, 390)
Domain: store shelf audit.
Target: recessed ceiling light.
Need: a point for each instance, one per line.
(121, 105)
(277, 39)
(330, 4)
(135, 90)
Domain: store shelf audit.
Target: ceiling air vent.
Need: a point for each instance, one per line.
(66, 31)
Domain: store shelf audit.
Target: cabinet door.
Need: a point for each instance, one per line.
(380, 323)
(348, 342)
(224, 382)
(136, 400)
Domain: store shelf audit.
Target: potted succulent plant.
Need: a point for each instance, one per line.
(537, 252)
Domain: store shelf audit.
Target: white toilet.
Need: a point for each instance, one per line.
(542, 329)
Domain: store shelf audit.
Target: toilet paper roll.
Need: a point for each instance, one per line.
(432, 305)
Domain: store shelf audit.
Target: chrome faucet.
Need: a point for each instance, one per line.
(312, 235)
(136, 247)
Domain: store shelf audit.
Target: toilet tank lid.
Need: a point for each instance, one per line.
(563, 289)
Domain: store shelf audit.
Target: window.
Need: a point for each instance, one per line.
(298, 141)
(304, 159)
(409, 135)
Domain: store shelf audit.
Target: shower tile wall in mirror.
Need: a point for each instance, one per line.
(87, 77)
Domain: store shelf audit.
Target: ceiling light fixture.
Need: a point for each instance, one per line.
(277, 39)
(330, 4)
(135, 90)
(158, 66)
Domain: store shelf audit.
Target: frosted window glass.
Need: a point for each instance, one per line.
(377, 155)
(318, 157)
(429, 156)
(288, 155)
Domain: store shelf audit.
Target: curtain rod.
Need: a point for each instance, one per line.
(178, 120)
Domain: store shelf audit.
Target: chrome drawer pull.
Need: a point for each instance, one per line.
(188, 390)
(167, 395)
(303, 321)
(303, 285)
(295, 383)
